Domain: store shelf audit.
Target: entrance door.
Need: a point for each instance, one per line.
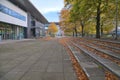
(33, 32)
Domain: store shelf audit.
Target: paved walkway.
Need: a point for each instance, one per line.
(13, 41)
(35, 60)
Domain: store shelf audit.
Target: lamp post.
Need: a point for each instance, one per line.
(116, 20)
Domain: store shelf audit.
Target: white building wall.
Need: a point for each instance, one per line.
(9, 19)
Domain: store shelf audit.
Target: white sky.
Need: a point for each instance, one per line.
(45, 6)
(49, 8)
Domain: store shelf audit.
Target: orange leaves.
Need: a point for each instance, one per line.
(110, 76)
(52, 28)
(79, 72)
(64, 17)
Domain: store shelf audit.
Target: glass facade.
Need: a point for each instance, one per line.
(12, 13)
(8, 31)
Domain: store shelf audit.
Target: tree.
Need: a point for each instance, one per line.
(78, 15)
(52, 29)
(98, 12)
(65, 23)
(102, 7)
(64, 16)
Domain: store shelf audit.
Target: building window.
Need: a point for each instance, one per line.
(9, 31)
(12, 13)
(32, 23)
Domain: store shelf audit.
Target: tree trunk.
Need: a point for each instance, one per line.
(98, 20)
(82, 31)
(82, 26)
(102, 29)
(75, 30)
(73, 33)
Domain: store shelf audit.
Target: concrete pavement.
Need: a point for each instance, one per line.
(35, 60)
(13, 41)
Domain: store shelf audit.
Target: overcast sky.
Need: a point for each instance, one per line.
(49, 8)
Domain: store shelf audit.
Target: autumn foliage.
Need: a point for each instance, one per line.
(52, 29)
(90, 17)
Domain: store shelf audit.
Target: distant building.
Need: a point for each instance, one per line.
(19, 19)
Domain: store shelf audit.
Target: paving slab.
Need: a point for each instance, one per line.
(35, 60)
(55, 67)
(33, 76)
(70, 76)
(12, 76)
(53, 76)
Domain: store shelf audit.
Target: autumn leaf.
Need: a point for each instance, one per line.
(52, 29)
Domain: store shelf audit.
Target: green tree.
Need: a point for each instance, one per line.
(86, 11)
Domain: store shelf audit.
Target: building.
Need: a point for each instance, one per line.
(20, 19)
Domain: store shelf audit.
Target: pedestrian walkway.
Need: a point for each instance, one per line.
(35, 60)
(13, 41)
